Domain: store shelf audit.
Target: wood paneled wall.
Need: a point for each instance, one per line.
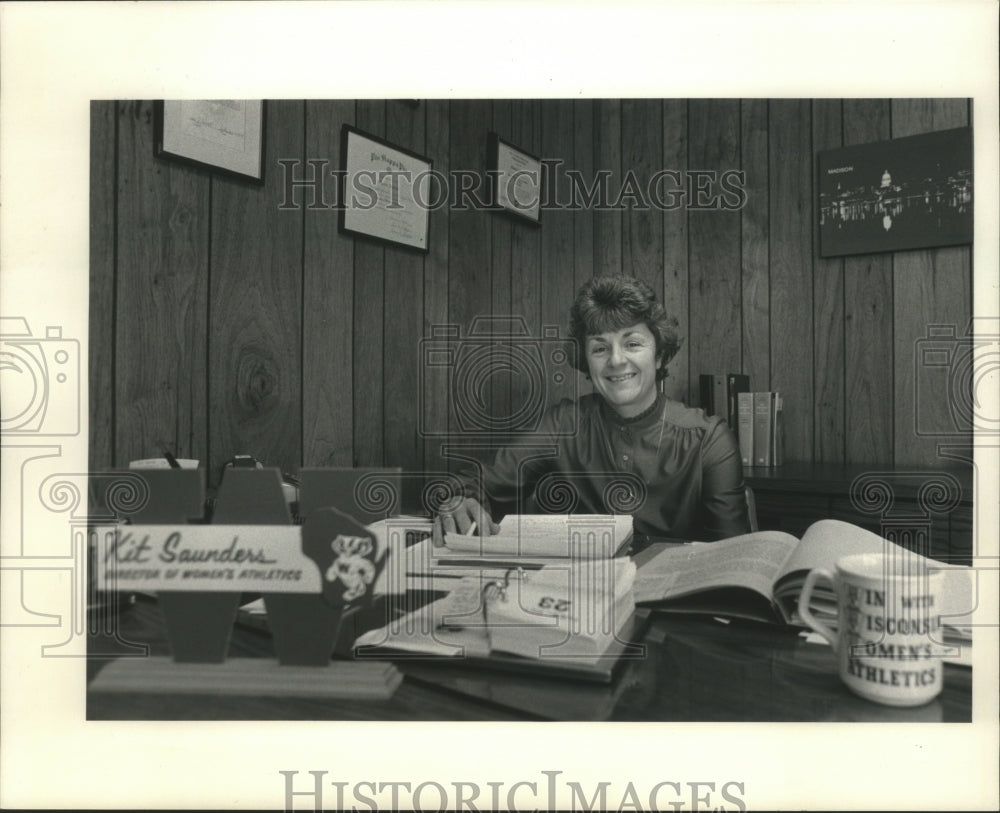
(222, 322)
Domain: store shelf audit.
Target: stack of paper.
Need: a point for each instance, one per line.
(571, 615)
(542, 539)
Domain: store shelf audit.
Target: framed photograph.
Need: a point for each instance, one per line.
(515, 179)
(222, 135)
(913, 192)
(385, 191)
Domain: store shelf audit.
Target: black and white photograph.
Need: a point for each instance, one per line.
(913, 192)
(336, 476)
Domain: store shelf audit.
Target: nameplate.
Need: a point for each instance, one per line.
(216, 558)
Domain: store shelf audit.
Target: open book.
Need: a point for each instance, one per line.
(759, 576)
(573, 619)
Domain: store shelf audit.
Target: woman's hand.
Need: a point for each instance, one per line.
(463, 515)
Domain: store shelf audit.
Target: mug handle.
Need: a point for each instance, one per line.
(806, 613)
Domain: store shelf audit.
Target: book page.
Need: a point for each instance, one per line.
(751, 561)
(586, 536)
(828, 540)
(452, 626)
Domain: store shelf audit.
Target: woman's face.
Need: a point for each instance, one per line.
(623, 368)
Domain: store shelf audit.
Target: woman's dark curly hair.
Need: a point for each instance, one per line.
(609, 303)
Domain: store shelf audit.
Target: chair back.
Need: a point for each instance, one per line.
(366, 494)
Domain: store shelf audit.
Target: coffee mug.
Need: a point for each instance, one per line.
(888, 641)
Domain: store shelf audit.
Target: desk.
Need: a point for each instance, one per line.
(694, 669)
(793, 496)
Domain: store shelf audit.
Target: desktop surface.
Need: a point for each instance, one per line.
(694, 669)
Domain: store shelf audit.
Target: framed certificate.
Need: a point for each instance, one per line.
(222, 135)
(515, 179)
(384, 191)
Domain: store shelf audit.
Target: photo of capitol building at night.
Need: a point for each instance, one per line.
(907, 193)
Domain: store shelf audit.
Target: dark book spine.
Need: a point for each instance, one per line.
(735, 384)
(706, 393)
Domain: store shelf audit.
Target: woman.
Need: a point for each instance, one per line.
(626, 448)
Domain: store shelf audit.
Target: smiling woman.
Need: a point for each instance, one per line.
(624, 341)
(626, 448)
(623, 366)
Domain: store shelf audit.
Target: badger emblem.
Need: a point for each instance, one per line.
(351, 566)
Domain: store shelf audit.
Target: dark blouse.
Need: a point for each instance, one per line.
(677, 471)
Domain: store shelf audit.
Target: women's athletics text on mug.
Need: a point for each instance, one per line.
(889, 645)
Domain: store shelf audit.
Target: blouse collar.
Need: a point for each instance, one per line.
(642, 417)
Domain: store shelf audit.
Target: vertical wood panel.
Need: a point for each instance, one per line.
(470, 285)
(608, 221)
(101, 358)
(404, 316)
(583, 218)
(675, 245)
(714, 242)
(501, 239)
(868, 319)
(642, 230)
(755, 244)
(931, 287)
(308, 349)
(255, 364)
(160, 309)
(369, 321)
(525, 281)
(828, 309)
(328, 294)
(557, 240)
(526, 241)
(433, 405)
(789, 144)
(501, 228)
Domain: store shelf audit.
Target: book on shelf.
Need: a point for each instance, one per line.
(745, 427)
(736, 383)
(759, 576)
(575, 619)
(719, 395)
(768, 429)
(712, 390)
(777, 430)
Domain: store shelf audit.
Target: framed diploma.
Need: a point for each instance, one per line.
(385, 191)
(515, 179)
(222, 135)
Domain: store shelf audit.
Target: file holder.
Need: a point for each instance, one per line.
(199, 623)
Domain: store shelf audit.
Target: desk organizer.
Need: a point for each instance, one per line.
(312, 577)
